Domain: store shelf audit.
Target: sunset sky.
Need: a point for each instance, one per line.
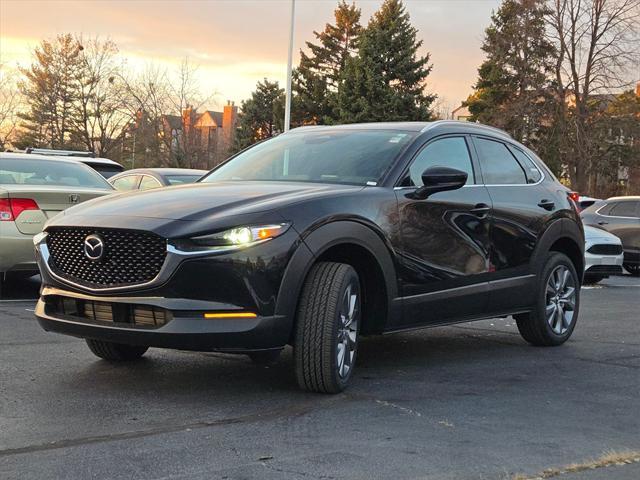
(238, 42)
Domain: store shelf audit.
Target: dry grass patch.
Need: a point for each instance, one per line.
(607, 459)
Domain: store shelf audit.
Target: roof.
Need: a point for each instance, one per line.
(410, 126)
(217, 117)
(37, 156)
(628, 197)
(84, 157)
(167, 171)
(174, 121)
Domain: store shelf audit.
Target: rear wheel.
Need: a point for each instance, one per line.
(632, 268)
(115, 352)
(554, 316)
(327, 328)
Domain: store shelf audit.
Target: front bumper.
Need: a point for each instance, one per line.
(188, 286)
(184, 329)
(602, 264)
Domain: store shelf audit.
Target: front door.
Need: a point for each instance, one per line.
(444, 239)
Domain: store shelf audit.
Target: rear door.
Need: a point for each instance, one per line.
(522, 206)
(444, 239)
(622, 218)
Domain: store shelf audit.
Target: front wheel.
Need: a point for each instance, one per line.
(115, 352)
(327, 328)
(554, 316)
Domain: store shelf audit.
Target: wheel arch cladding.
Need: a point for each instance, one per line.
(354, 244)
(562, 236)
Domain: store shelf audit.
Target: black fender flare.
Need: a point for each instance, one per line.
(318, 241)
(559, 229)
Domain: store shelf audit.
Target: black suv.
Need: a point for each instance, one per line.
(316, 237)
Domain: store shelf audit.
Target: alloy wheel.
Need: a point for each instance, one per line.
(560, 299)
(347, 330)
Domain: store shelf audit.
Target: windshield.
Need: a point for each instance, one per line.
(180, 179)
(327, 156)
(18, 171)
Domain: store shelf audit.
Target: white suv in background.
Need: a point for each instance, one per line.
(603, 254)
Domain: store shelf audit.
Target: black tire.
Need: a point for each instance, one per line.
(533, 326)
(115, 352)
(632, 268)
(266, 357)
(320, 328)
(593, 279)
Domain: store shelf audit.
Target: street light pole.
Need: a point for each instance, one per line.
(287, 107)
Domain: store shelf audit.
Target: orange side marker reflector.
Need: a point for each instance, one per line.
(231, 315)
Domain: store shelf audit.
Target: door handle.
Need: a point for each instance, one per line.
(547, 204)
(603, 223)
(481, 210)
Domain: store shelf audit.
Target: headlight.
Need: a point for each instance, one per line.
(232, 239)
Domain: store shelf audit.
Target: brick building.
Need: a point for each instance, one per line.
(201, 140)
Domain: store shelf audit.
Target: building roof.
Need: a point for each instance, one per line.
(174, 121)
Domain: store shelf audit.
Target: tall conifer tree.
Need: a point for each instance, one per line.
(387, 80)
(318, 76)
(513, 91)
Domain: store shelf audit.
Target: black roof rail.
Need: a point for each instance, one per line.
(60, 153)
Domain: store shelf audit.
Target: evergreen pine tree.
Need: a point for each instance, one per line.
(50, 89)
(513, 89)
(261, 115)
(387, 80)
(317, 78)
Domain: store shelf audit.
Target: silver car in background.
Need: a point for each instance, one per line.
(34, 188)
(603, 254)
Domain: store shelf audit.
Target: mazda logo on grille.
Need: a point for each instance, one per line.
(93, 247)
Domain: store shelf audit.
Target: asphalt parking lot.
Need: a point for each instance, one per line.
(462, 402)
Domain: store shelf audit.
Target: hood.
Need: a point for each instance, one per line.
(593, 233)
(197, 202)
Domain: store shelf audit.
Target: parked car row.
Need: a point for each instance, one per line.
(309, 239)
(317, 237)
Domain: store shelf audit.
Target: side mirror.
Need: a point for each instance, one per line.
(440, 179)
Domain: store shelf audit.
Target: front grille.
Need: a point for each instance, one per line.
(605, 249)
(130, 257)
(145, 316)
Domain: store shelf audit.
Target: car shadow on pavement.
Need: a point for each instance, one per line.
(21, 288)
(204, 375)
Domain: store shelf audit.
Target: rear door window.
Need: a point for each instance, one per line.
(126, 183)
(149, 182)
(499, 166)
(531, 170)
(624, 209)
